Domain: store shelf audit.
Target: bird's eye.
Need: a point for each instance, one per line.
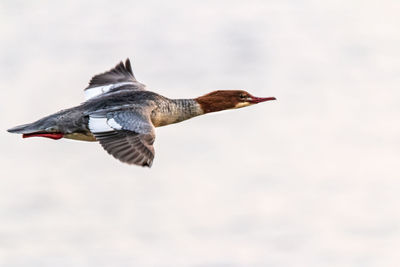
(242, 96)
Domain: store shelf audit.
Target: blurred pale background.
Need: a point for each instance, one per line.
(309, 180)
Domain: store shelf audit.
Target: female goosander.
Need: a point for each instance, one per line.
(121, 114)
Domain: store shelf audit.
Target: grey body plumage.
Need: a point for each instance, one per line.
(119, 113)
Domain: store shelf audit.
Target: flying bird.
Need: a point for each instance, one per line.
(121, 114)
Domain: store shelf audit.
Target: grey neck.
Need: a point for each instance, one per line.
(175, 110)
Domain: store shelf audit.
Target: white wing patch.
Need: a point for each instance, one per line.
(101, 125)
(114, 124)
(99, 90)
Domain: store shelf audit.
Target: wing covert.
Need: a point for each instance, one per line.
(127, 135)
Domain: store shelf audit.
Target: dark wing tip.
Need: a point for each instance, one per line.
(148, 163)
(120, 73)
(128, 66)
(127, 146)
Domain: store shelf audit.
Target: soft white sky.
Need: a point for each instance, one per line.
(310, 180)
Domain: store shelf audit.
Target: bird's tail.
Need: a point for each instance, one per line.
(45, 127)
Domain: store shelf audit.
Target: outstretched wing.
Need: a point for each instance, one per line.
(119, 78)
(128, 135)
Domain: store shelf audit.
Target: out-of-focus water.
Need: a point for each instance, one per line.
(309, 180)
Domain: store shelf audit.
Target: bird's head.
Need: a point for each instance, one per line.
(228, 99)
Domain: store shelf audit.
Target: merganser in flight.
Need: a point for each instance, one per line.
(121, 114)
